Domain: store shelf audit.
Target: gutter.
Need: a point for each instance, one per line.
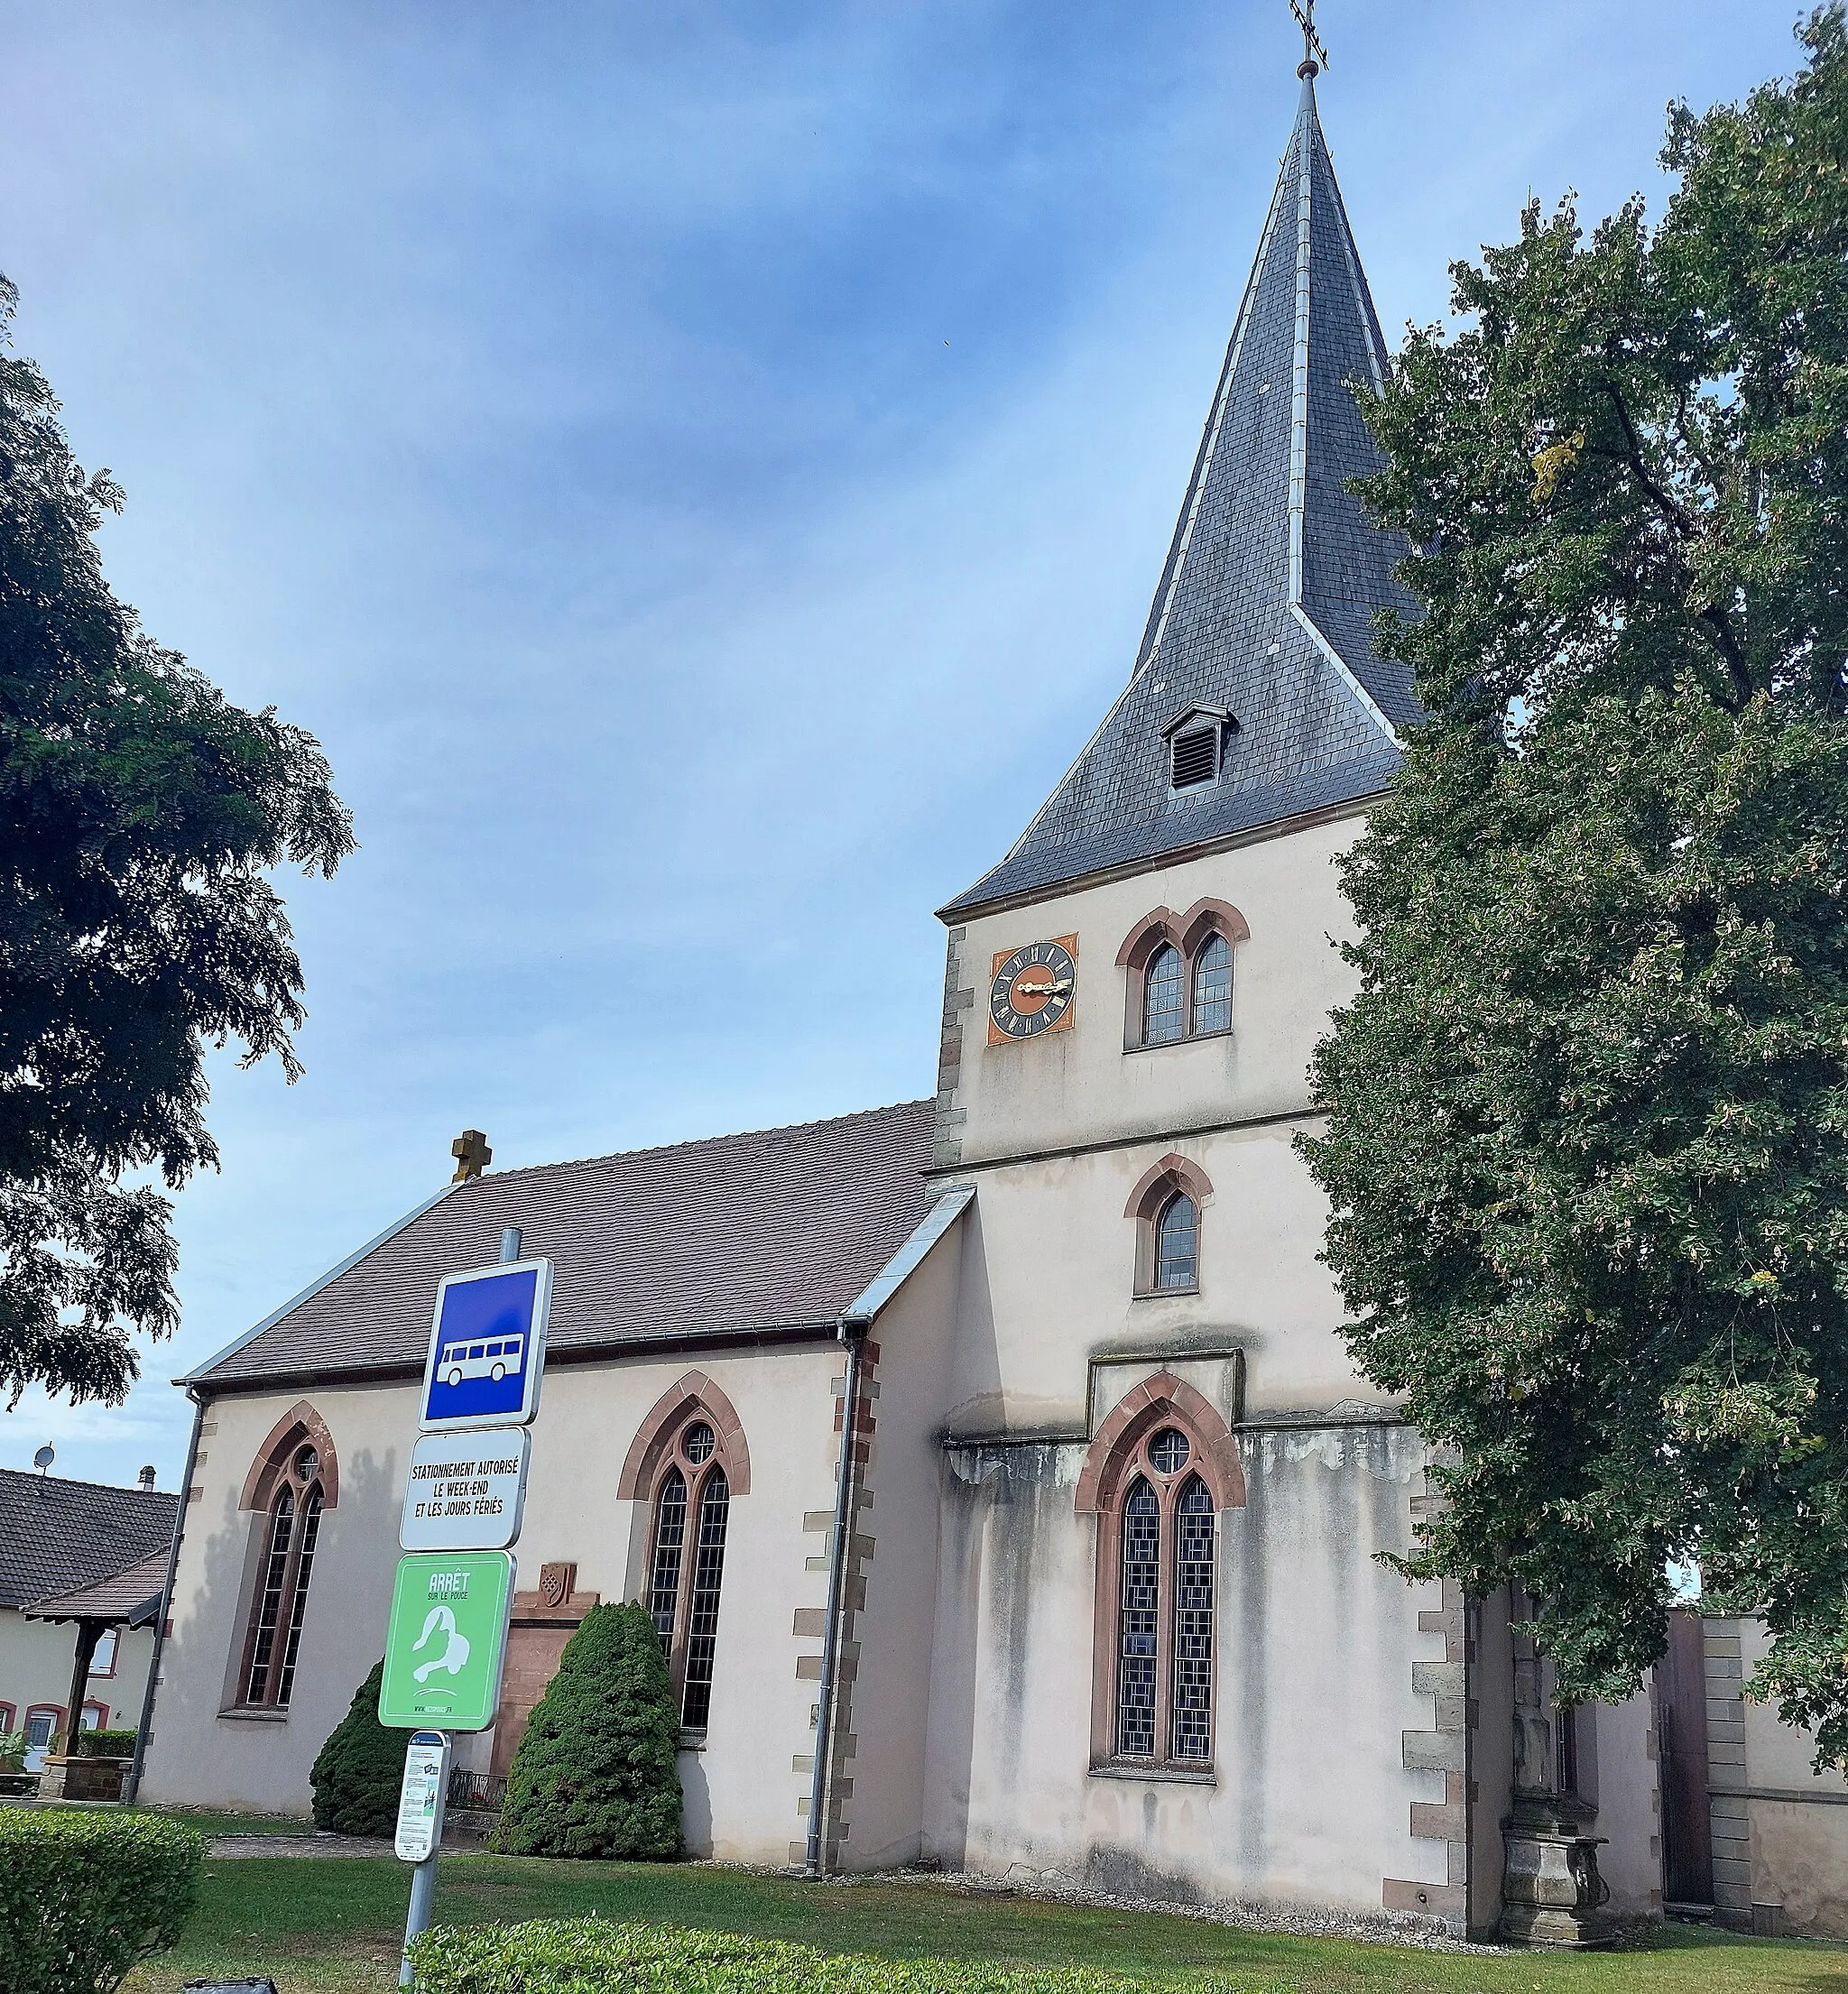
(132, 1784)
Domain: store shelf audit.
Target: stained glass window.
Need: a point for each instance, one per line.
(670, 1540)
(1142, 1590)
(702, 1619)
(1192, 1720)
(1178, 1243)
(1162, 987)
(1212, 985)
(1168, 1452)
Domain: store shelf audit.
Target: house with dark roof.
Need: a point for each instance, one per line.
(82, 1565)
(992, 1464)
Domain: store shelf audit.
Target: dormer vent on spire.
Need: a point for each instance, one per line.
(1266, 603)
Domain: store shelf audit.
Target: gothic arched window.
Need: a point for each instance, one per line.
(692, 1498)
(1212, 986)
(1162, 984)
(1167, 1205)
(291, 1535)
(1178, 1243)
(1179, 980)
(1159, 1590)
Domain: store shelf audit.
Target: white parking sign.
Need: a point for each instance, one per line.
(466, 1490)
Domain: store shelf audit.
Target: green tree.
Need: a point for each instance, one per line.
(139, 814)
(1587, 1116)
(358, 1771)
(595, 1774)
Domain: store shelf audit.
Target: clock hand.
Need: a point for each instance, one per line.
(1028, 989)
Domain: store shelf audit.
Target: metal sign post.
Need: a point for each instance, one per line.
(452, 1597)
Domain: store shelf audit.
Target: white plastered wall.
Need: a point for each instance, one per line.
(741, 1791)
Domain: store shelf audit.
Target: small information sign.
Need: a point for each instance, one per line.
(421, 1797)
(488, 1347)
(466, 1490)
(446, 1640)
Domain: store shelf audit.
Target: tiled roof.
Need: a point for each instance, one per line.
(56, 1536)
(780, 1229)
(131, 1595)
(1265, 605)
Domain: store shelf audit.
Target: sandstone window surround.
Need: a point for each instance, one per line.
(1168, 1208)
(688, 1461)
(293, 1483)
(1178, 978)
(1162, 1465)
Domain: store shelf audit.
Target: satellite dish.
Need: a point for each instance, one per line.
(43, 1459)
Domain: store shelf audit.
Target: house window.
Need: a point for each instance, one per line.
(103, 1662)
(7, 1714)
(692, 1507)
(291, 1537)
(1161, 1703)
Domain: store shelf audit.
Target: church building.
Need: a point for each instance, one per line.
(992, 1464)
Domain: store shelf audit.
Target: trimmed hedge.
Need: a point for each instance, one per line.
(105, 1744)
(595, 1774)
(359, 1769)
(592, 1956)
(85, 1897)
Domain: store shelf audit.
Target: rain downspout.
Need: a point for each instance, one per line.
(131, 1786)
(853, 1334)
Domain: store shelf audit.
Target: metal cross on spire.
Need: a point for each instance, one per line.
(1315, 54)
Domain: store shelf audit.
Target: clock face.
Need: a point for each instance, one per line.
(1033, 991)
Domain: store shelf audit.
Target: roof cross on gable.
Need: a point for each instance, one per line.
(1266, 603)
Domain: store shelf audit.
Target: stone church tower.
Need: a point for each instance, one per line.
(1168, 1660)
(1167, 1643)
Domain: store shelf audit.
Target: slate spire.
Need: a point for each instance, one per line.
(1265, 604)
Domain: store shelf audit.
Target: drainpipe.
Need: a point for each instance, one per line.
(853, 1334)
(131, 1786)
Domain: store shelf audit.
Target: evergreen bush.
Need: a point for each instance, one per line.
(595, 1774)
(358, 1771)
(86, 1897)
(105, 1744)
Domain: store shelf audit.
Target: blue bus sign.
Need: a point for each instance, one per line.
(488, 1347)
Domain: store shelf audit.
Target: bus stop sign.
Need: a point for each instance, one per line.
(446, 1640)
(488, 1347)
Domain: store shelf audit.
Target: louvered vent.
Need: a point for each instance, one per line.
(1195, 758)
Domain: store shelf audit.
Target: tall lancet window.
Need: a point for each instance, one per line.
(291, 1535)
(1163, 1465)
(693, 1464)
(1162, 984)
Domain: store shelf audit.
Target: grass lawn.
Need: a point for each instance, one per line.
(332, 1926)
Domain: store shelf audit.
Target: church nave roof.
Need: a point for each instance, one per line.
(779, 1228)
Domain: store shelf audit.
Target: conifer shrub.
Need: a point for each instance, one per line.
(86, 1897)
(595, 1774)
(358, 1771)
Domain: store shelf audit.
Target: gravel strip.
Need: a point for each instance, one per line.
(1371, 1927)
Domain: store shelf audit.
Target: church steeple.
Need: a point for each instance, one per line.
(1264, 612)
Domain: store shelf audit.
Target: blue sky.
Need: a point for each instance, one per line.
(701, 472)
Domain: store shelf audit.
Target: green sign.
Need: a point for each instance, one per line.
(446, 1640)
